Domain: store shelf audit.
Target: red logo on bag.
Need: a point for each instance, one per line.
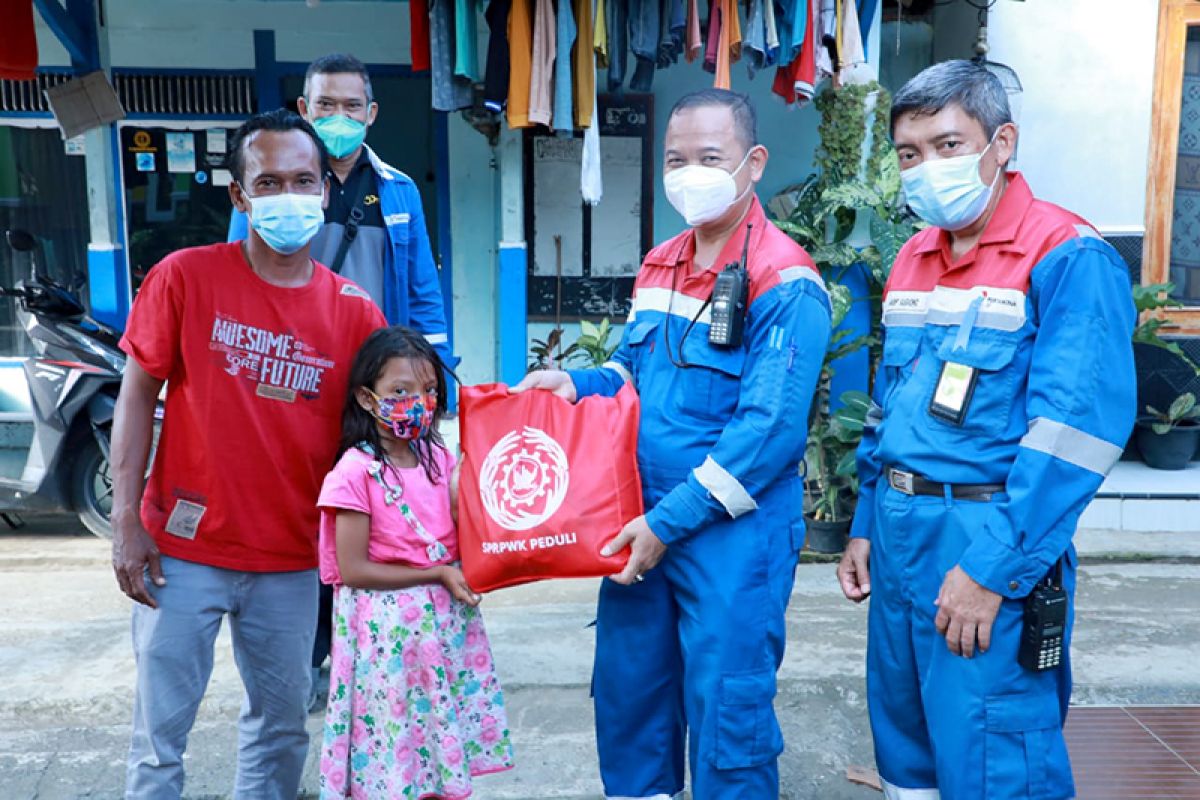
(524, 479)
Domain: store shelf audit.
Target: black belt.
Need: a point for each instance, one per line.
(911, 484)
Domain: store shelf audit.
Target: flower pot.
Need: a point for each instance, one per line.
(826, 537)
(1170, 450)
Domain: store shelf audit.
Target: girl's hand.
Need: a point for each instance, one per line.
(454, 491)
(455, 583)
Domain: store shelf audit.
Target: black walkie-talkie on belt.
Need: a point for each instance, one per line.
(1045, 624)
(729, 298)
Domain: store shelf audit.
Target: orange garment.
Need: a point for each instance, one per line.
(583, 76)
(729, 46)
(520, 66)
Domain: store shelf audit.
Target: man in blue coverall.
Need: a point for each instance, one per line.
(1005, 395)
(691, 633)
(374, 231)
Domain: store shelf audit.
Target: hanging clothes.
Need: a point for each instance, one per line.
(584, 63)
(466, 39)
(418, 28)
(756, 37)
(827, 54)
(645, 25)
(793, 27)
(866, 18)
(712, 42)
(591, 184)
(495, 82)
(450, 92)
(564, 117)
(18, 45)
(729, 44)
(772, 32)
(854, 66)
(520, 62)
(694, 45)
(796, 82)
(600, 36)
(618, 42)
(541, 74)
(674, 24)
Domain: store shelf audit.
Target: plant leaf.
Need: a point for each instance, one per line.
(1181, 406)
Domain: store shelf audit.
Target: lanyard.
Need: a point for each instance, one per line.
(393, 494)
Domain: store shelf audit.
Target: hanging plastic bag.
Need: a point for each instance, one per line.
(545, 484)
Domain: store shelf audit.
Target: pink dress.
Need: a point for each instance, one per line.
(415, 709)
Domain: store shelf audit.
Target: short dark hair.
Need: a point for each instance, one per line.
(278, 120)
(745, 120)
(966, 84)
(336, 64)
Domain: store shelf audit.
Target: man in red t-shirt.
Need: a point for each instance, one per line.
(254, 341)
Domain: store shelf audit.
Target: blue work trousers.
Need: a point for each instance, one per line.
(690, 654)
(983, 728)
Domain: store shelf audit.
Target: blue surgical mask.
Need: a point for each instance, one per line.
(341, 134)
(948, 192)
(286, 222)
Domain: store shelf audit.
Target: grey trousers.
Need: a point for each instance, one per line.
(272, 617)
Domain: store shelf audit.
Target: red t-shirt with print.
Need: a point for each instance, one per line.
(256, 381)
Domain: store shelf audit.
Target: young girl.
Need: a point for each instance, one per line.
(415, 710)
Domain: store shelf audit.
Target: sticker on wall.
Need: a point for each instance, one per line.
(75, 146)
(222, 177)
(181, 152)
(215, 141)
(202, 177)
(145, 162)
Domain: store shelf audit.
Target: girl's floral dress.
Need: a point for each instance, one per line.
(415, 708)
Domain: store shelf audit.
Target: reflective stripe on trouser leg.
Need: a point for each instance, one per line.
(637, 689)
(891, 792)
(732, 584)
(678, 796)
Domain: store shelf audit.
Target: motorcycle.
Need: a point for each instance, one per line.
(57, 406)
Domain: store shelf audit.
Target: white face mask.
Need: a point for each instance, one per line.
(286, 222)
(948, 192)
(702, 194)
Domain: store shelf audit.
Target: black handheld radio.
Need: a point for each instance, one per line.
(729, 302)
(1045, 624)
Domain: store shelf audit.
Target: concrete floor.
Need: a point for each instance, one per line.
(67, 672)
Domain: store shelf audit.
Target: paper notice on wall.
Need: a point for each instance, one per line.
(75, 146)
(222, 177)
(181, 152)
(215, 141)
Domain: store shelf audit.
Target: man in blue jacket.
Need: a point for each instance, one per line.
(1005, 395)
(689, 636)
(374, 231)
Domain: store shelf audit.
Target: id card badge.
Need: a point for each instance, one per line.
(952, 397)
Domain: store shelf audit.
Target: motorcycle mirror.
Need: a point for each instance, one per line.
(21, 241)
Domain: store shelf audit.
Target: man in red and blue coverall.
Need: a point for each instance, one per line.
(1006, 393)
(691, 633)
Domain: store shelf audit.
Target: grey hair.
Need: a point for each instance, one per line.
(968, 85)
(745, 120)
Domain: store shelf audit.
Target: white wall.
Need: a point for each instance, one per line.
(1087, 67)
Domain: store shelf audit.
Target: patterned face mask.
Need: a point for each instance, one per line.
(410, 417)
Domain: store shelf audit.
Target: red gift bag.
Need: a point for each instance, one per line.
(545, 484)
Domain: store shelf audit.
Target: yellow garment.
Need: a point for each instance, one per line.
(583, 76)
(520, 62)
(600, 40)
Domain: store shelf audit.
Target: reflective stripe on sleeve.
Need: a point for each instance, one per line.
(803, 274)
(724, 487)
(891, 792)
(437, 338)
(620, 370)
(1071, 445)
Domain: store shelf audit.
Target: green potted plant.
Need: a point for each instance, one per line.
(1168, 439)
(849, 213)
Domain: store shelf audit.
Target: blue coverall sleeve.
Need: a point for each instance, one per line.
(1081, 404)
(869, 467)
(239, 226)
(426, 311)
(787, 335)
(608, 379)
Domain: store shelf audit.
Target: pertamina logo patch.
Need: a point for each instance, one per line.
(524, 479)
